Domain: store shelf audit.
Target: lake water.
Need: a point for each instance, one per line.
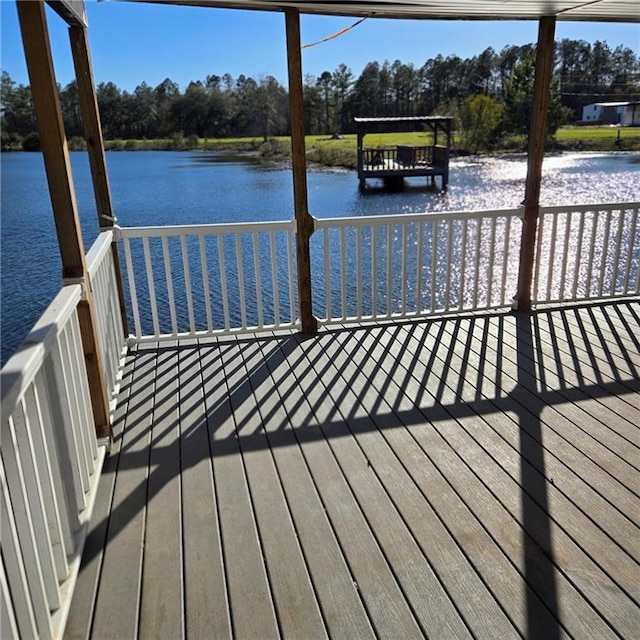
(160, 188)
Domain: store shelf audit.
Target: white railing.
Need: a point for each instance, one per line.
(404, 266)
(49, 472)
(210, 279)
(587, 252)
(110, 334)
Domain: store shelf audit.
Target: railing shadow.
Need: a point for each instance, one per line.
(257, 394)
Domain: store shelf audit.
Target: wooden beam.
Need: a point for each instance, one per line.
(73, 12)
(304, 222)
(44, 91)
(537, 139)
(95, 148)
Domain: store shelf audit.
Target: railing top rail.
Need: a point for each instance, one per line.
(207, 229)
(21, 368)
(611, 206)
(404, 218)
(98, 250)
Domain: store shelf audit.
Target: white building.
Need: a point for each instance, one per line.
(623, 113)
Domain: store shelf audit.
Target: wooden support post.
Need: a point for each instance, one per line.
(95, 148)
(537, 138)
(35, 38)
(304, 222)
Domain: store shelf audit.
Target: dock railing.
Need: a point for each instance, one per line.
(49, 472)
(190, 281)
(407, 266)
(400, 157)
(587, 252)
(113, 342)
(241, 278)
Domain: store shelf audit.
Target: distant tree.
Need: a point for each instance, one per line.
(191, 110)
(625, 72)
(510, 57)
(112, 114)
(600, 69)
(404, 89)
(313, 106)
(479, 122)
(245, 119)
(144, 121)
(324, 85)
(18, 114)
(272, 105)
(223, 106)
(364, 98)
(481, 76)
(166, 93)
(341, 81)
(518, 100)
(70, 106)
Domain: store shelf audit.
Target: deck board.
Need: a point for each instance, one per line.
(343, 610)
(84, 598)
(440, 444)
(205, 588)
(121, 576)
(249, 593)
(294, 599)
(326, 455)
(161, 591)
(474, 476)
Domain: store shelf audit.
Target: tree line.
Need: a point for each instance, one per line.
(489, 95)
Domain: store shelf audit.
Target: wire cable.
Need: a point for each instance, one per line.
(334, 35)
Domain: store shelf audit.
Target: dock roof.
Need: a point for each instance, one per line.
(401, 119)
(566, 10)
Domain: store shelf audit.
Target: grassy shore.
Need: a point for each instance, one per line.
(341, 152)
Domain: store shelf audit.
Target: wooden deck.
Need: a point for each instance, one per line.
(403, 162)
(469, 477)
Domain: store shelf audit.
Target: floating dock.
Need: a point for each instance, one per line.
(393, 164)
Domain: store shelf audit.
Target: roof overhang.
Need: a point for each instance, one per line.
(570, 10)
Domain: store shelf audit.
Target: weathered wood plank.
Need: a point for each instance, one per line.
(535, 156)
(294, 598)
(340, 602)
(567, 426)
(88, 582)
(304, 222)
(573, 520)
(453, 478)
(542, 529)
(614, 394)
(416, 446)
(386, 606)
(571, 483)
(503, 525)
(95, 148)
(250, 599)
(161, 603)
(121, 578)
(430, 582)
(563, 386)
(206, 602)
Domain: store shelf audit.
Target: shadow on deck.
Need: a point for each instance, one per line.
(477, 476)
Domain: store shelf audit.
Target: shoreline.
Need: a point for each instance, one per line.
(341, 153)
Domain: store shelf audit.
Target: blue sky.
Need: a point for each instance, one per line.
(133, 42)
